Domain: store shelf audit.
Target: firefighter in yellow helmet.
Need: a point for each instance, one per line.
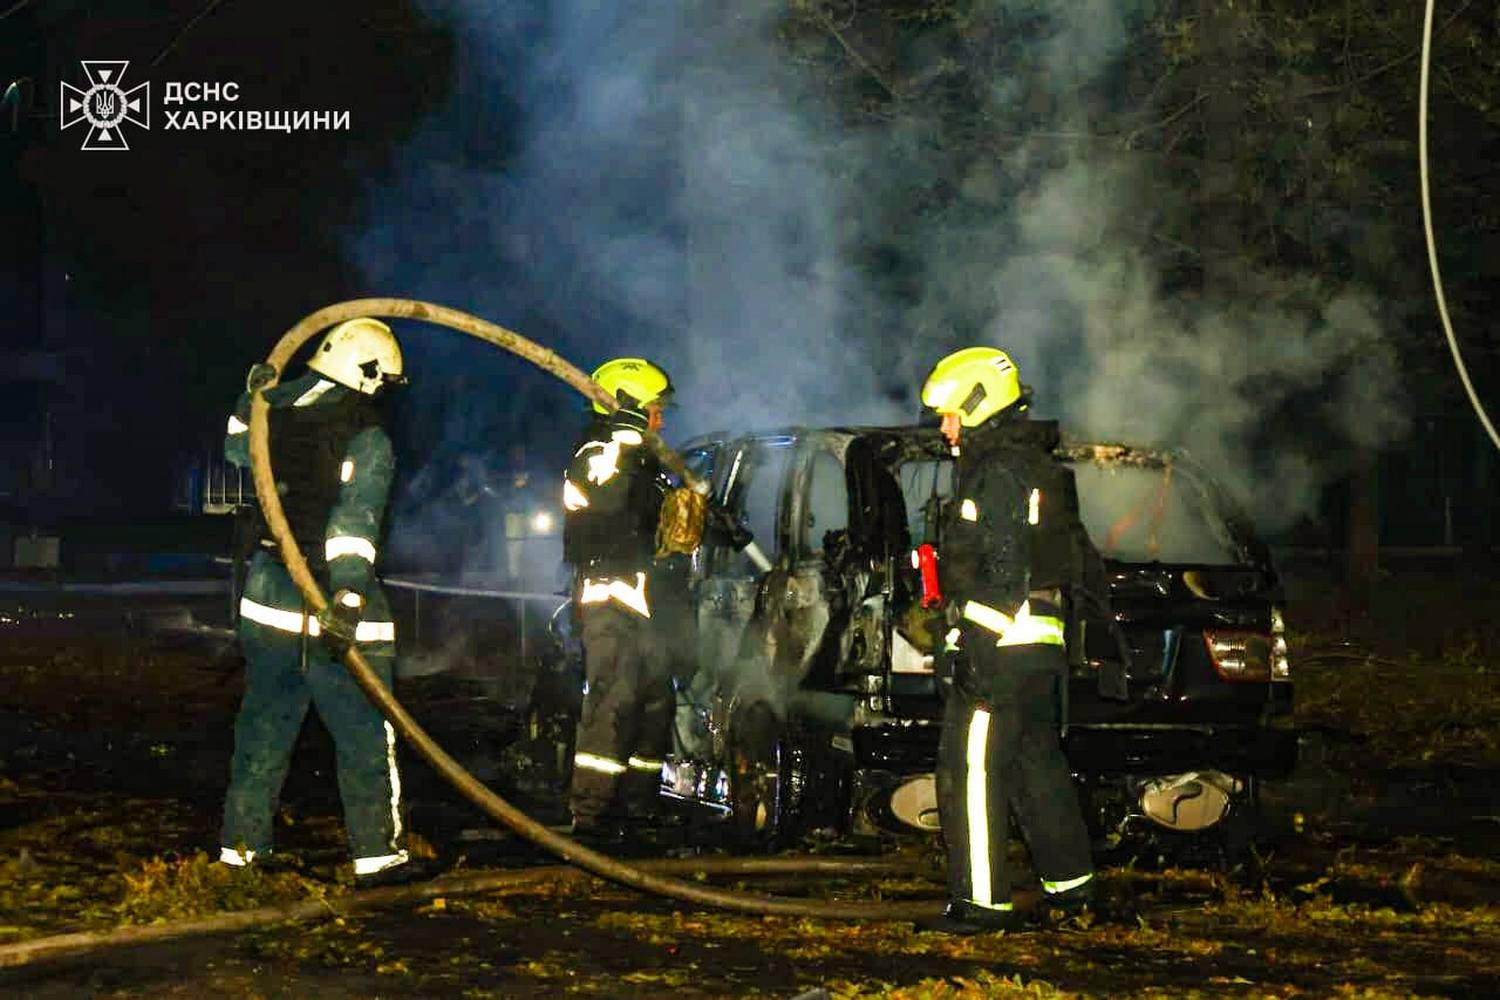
(1005, 558)
(612, 498)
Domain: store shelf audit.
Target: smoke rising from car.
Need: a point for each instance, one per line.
(664, 180)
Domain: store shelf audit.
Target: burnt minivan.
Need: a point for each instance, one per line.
(816, 704)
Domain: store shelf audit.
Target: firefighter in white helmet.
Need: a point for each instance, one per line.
(333, 464)
(1005, 556)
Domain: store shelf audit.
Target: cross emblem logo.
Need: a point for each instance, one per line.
(105, 105)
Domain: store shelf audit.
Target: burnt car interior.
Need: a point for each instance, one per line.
(816, 702)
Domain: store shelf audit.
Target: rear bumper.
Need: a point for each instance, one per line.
(1265, 753)
(1109, 750)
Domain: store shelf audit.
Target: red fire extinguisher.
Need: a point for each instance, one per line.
(924, 560)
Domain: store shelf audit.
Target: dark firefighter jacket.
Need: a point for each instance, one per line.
(612, 496)
(1013, 529)
(333, 464)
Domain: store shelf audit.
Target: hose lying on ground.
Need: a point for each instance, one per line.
(637, 877)
(64, 946)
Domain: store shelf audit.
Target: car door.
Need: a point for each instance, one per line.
(751, 481)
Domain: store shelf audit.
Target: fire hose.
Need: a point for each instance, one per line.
(497, 808)
(87, 944)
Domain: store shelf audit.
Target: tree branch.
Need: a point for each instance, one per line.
(1190, 105)
(854, 54)
(1381, 69)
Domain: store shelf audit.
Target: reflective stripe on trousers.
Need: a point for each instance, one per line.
(296, 622)
(596, 762)
(1053, 888)
(977, 812)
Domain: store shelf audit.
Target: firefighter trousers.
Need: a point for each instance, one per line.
(625, 730)
(1000, 752)
(285, 672)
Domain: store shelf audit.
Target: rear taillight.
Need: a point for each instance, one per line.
(1240, 656)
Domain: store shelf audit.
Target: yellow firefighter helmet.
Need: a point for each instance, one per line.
(975, 383)
(633, 381)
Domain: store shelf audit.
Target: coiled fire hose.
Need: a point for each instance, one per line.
(471, 788)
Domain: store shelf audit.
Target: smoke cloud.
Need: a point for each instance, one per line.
(666, 180)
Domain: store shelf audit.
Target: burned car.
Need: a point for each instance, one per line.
(816, 704)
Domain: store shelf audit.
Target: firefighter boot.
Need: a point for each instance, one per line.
(965, 919)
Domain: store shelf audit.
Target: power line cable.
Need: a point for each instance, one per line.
(1432, 258)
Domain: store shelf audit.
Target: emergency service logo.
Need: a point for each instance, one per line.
(106, 105)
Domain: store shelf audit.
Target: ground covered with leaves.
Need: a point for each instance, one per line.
(1374, 877)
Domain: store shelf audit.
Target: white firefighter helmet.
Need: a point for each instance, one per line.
(360, 353)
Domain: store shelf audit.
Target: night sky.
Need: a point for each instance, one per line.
(490, 154)
(159, 274)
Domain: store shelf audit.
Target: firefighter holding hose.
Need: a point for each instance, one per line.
(1006, 555)
(612, 496)
(613, 500)
(333, 463)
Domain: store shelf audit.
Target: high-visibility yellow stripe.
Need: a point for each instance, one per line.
(346, 471)
(1072, 883)
(349, 545)
(286, 621)
(296, 622)
(314, 394)
(395, 779)
(236, 426)
(371, 865)
(1029, 629)
(995, 620)
(644, 764)
(237, 859)
(1034, 508)
(977, 803)
(968, 510)
(573, 497)
(604, 463)
(632, 597)
(364, 631)
(1037, 632)
(593, 762)
(1025, 629)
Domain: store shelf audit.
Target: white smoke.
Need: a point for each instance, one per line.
(666, 180)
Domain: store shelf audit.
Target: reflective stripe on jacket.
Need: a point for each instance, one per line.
(297, 622)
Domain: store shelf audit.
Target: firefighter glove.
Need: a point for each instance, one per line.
(260, 376)
(338, 622)
(680, 528)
